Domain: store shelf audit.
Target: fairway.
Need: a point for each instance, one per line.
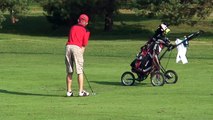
(32, 73)
(32, 82)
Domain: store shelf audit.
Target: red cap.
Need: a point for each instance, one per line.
(83, 17)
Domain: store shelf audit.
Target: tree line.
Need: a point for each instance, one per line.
(65, 12)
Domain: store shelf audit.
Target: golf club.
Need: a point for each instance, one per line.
(89, 84)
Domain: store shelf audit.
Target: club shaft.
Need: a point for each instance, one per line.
(88, 81)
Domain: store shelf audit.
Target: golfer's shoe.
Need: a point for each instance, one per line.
(83, 93)
(69, 94)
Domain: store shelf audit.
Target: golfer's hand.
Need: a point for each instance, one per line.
(83, 49)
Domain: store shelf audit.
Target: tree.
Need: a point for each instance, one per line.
(175, 11)
(66, 12)
(14, 7)
(107, 8)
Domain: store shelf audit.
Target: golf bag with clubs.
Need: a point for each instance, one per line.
(147, 61)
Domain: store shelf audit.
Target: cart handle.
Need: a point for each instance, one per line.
(190, 37)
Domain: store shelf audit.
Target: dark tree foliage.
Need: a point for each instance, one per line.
(14, 7)
(175, 11)
(66, 12)
(107, 9)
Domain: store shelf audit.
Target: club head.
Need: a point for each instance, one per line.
(93, 93)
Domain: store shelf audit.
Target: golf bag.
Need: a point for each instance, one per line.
(143, 64)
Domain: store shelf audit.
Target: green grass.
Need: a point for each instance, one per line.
(32, 74)
(32, 83)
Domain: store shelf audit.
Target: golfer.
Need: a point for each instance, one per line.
(75, 46)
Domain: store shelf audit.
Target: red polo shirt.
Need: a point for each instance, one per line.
(78, 35)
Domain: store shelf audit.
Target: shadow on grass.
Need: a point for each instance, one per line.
(127, 27)
(107, 83)
(39, 26)
(126, 32)
(30, 53)
(120, 84)
(27, 94)
(33, 26)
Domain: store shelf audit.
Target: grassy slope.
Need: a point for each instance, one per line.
(32, 80)
(32, 83)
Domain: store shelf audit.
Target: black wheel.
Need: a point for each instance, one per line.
(127, 79)
(157, 79)
(171, 77)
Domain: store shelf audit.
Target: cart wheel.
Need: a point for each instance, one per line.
(171, 76)
(127, 79)
(157, 79)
